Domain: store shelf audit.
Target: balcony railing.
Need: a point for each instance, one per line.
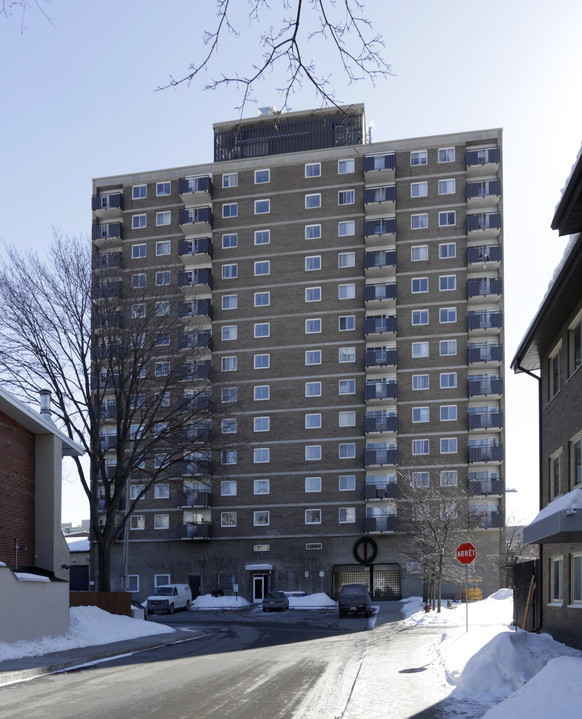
(484, 221)
(387, 423)
(192, 278)
(192, 530)
(484, 320)
(492, 453)
(485, 253)
(109, 412)
(380, 162)
(381, 524)
(199, 466)
(195, 215)
(483, 188)
(484, 286)
(108, 442)
(381, 390)
(485, 386)
(484, 353)
(195, 498)
(195, 308)
(485, 486)
(106, 290)
(197, 403)
(380, 291)
(195, 370)
(107, 230)
(384, 226)
(380, 258)
(190, 340)
(113, 201)
(380, 457)
(378, 324)
(201, 246)
(107, 260)
(195, 184)
(485, 420)
(380, 357)
(383, 490)
(380, 194)
(483, 156)
(485, 520)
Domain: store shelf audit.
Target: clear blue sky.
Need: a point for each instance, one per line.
(78, 97)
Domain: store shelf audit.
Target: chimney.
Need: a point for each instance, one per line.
(45, 403)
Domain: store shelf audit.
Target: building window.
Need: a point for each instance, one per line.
(575, 337)
(163, 218)
(575, 462)
(229, 272)
(163, 278)
(447, 187)
(163, 188)
(555, 475)
(347, 386)
(135, 490)
(161, 521)
(346, 259)
(420, 446)
(448, 380)
(446, 154)
(448, 412)
(347, 323)
(347, 515)
(346, 197)
(228, 364)
(347, 482)
(418, 189)
(262, 267)
(419, 222)
(313, 263)
(447, 347)
(262, 361)
(557, 579)
(229, 333)
(138, 280)
(312, 232)
(313, 516)
(230, 179)
(229, 240)
(421, 479)
(229, 302)
(133, 579)
(313, 294)
(420, 414)
(347, 450)
(262, 207)
(230, 210)
(228, 519)
(313, 420)
(345, 166)
(313, 326)
(163, 248)
(576, 579)
(419, 317)
(229, 426)
(448, 477)
(138, 251)
(447, 219)
(447, 283)
(419, 284)
(313, 200)
(261, 518)
(312, 357)
(312, 452)
(346, 291)
(419, 157)
(261, 329)
(139, 192)
(261, 424)
(419, 253)
(228, 456)
(261, 455)
(262, 176)
(347, 354)
(447, 315)
(420, 381)
(313, 389)
(313, 169)
(347, 418)
(162, 369)
(261, 392)
(447, 250)
(262, 299)
(138, 221)
(347, 228)
(420, 349)
(554, 371)
(448, 445)
(262, 237)
(313, 484)
(137, 521)
(261, 486)
(228, 394)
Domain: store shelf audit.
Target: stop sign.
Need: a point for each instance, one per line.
(466, 553)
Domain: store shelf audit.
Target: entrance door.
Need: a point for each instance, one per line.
(259, 586)
(194, 582)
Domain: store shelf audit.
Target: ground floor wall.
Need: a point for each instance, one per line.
(296, 564)
(561, 605)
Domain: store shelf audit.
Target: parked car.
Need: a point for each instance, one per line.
(168, 598)
(354, 599)
(275, 600)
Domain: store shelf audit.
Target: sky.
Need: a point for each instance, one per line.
(79, 97)
(487, 665)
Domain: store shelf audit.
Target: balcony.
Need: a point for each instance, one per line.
(191, 340)
(195, 308)
(385, 389)
(196, 190)
(380, 231)
(382, 490)
(477, 354)
(106, 321)
(195, 251)
(106, 290)
(483, 193)
(383, 294)
(195, 498)
(196, 403)
(194, 530)
(107, 206)
(380, 357)
(192, 467)
(380, 457)
(483, 161)
(108, 412)
(195, 278)
(380, 168)
(379, 260)
(484, 287)
(484, 254)
(379, 324)
(485, 420)
(488, 453)
(195, 371)
(485, 487)
(382, 199)
(107, 261)
(196, 220)
(381, 524)
(485, 387)
(107, 231)
(108, 442)
(485, 321)
(378, 425)
(485, 225)
(485, 520)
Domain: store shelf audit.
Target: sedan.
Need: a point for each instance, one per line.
(275, 600)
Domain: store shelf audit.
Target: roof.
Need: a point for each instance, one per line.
(568, 214)
(35, 422)
(560, 521)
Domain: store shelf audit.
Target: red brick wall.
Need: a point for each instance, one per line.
(17, 485)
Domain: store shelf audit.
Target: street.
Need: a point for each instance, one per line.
(251, 665)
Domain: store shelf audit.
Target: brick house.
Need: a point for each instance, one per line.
(34, 558)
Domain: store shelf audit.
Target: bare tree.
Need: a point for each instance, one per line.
(20, 7)
(108, 353)
(285, 41)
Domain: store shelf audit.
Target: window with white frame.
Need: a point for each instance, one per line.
(313, 389)
(447, 250)
(447, 315)
(346, 166)
(313, 294)
(262, 237)
(420, 381)
(447, 187)
(262, 361)
(228, 519)
(163, 278)
(346, 197)
(160, 580)
(347, 450)
(419, 222)
(346, 259)
(138, 251)
(447, 218)
(312, 232)
(230, 272)
(346, 418)
(313, 325)
(138, 280)
(161, 521)
(261, 455)
(133, 579)
(163, 218)
(347, 386)
(418, 285)
(262, 299)
(419, 253)
(313, 200)
(262, 486)
(447, 283)
(261, 424)
(262, 176)
(418, 189)
(228, 394)
(313, 420)
(137, 522)
(162, 490)
(262, 207)
(556, 580)
(576, 579)
(229, 425)
(230, 209)
(448, 412)
(556, 474)
(575, 345)
(261, 518)
(448, 380)
(420, 349)
(312, 484)
(419, 157)
(346, 228)
(313, 169)
(575, 461)
(447, 347)
(229, 363)
(313, 262)
(347, 354)
(162, 369)
(420, 446)
(228, 456)
(163, 248)
(261, 329)
(420, 414)
(446, 154)
(421, 479)
(163, 188)
(347, 323)
(229, 302)
(229, 332)
(313, 516)
(448, 477)
(312, 357)
(138, 222)
(135, 490)
(347, 482)
(346, 291)
(347, 515)
(261, 392)
(420, 317)
(262, 267)
(448, 445)
(230, 179)
(312, 452)
(229, 240)
(139, 192)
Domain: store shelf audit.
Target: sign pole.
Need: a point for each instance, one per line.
(466, 553)
(466, 598)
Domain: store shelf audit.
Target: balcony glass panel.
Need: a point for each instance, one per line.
(485, 253)
(483, 286)
(380, 258)
(379, 324)
(384, 226)
(380, 162)
(377, 292)
(483, 156)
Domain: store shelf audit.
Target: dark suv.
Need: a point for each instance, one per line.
(353, 599)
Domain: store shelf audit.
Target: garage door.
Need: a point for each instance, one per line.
(387, 583)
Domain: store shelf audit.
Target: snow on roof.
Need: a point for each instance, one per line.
(78, 544)
(27, 577)
(567, 502)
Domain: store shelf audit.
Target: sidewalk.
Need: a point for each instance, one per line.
(18, 670)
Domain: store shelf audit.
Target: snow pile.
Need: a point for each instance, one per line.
(207, 601)
(88, 626)
(28, 577)
(312, 601)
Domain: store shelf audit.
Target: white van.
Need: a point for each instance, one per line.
(168, 598)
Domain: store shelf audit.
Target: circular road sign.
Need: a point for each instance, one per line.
(466, 553)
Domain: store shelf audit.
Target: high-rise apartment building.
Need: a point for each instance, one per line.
(353, 295)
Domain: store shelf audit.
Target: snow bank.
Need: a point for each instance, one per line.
(312, 601)
(88, 626)
(207, 601)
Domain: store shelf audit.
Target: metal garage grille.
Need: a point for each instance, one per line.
(354, 577)
(387, 584)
